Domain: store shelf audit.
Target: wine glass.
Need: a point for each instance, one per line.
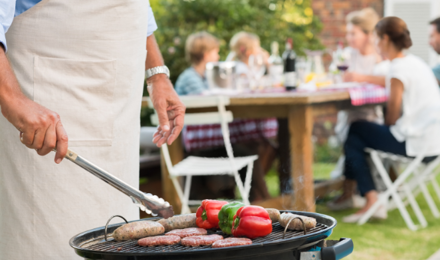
(341, 60)
(257, 68)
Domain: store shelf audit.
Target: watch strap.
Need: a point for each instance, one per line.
(157, 70)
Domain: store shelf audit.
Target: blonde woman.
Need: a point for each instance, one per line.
(365, 65)
(200, 48)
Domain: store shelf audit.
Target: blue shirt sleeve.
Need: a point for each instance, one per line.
(436, 71)
(7, 10)
(190, 83)
(152, 26)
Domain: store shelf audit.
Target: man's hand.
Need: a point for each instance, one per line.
(170, 110)
(39, 128)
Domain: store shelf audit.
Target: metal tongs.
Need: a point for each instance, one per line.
(145, 201)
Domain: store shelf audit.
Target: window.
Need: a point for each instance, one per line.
(417, 14)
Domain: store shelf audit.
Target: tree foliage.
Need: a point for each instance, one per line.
(272, 20)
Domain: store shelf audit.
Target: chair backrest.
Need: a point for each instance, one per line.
(221, 116)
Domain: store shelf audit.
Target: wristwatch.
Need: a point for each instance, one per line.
(157, 70)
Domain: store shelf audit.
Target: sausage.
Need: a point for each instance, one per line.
(159, 241)
(274, 214)
(200, 240)
(179, 222)
(232, 241)
(187, 232)
(138, 229)
(296, 224)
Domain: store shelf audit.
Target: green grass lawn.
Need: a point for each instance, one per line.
(385, 240)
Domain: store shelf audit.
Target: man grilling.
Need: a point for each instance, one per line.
(73, 77)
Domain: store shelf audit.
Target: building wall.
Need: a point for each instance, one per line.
(332, 14)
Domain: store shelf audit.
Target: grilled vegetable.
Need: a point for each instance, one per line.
(136, 230)
(207, 213)
(296, 224)
(179, 222)
(274, 214)
(226, 216)
(251, 222)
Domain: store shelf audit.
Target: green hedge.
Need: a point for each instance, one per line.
(272, 20)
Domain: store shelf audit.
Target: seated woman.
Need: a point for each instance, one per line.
(200, 49)
(364, 65)
(412, 122)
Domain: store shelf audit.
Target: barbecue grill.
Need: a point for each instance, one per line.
(292, 245)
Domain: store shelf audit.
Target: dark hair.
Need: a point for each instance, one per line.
(396, 30)
(436, 22)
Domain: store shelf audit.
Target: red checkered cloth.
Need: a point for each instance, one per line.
(367, 94)
(196, 137)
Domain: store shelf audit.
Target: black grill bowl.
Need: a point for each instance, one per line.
(91, 245)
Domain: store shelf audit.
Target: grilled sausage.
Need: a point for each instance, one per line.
(187, 232)
(296, 224)
(159, 241)
(232, 241)
(200, 240)
(274, 214)
(138, 229)
(179, 222)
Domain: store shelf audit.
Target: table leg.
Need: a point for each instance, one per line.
(284, 157)
(300, 127)
(169, 192)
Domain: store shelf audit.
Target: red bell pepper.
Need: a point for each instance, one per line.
(251, 222)
(207, 213)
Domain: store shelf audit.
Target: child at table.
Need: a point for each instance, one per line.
(364, 65)
(200, 48)
(412, 122)
(242, 46)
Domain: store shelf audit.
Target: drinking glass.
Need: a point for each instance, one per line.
(257, 69)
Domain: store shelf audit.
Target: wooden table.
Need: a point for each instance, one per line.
(300, 108)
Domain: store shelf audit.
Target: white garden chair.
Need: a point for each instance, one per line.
(199, 166)
(404, 189)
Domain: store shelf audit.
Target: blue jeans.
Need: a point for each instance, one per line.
(363, 135)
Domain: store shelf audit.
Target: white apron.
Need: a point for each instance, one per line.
(85, 60)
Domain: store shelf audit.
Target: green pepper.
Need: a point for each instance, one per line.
(226, 216)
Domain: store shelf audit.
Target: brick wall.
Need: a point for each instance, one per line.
(333, 13)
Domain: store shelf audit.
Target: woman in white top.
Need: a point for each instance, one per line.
(364, 65)
(412, 122)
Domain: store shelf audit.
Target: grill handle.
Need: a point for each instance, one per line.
(337, 249)
(145, 201)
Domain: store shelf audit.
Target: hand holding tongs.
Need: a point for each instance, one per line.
(146, 201)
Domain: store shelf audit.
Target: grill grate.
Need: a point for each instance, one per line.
(98, 244)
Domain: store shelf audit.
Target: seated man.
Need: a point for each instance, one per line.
(434, 41)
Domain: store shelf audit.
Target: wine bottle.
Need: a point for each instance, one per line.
(289, 58)
(276, 65)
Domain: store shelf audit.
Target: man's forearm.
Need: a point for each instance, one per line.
(9, 87)
(154, 57)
